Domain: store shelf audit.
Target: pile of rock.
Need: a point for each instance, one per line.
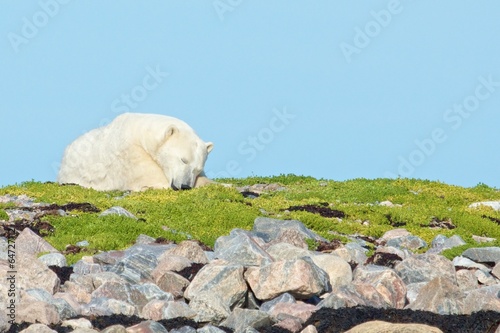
(251, 280)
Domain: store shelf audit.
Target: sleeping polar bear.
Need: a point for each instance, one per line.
(136, 152)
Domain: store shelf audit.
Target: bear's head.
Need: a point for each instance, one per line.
(182, 156)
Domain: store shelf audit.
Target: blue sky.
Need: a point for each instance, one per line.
(330, 89)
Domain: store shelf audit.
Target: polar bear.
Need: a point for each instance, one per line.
(135, 152)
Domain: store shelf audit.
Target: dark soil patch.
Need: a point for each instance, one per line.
(321, 209)
(341, 320)
(250, 194)
(441, 224)
(329, 246)
(393, 222)
(163, 240)
(384, 259)
(41, 228)
(494, 219)
(191, 271)
(63, 273)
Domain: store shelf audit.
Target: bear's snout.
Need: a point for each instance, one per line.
(183, 187)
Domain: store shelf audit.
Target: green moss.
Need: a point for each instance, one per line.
(3, 215)
(209, 212)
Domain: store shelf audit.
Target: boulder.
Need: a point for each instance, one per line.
(377, 326)
(441, 296)
(425, 267)
(386, 282)
(241, 248)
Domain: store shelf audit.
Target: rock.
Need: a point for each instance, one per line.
(485, 278)
(4, 321)
(122, 292)
(240, 248)
(299, 277)
(480, 239)
(29, 243)
(338, 270)
(283, 298)
(388, 203)
(136, 267)
(467, 280)
(109, 257)
(83, 243)
(64, 310)
(37, 312)
(84, 330)
(269, 229)
(409, 242)
(148, 326)
(353, 295)
(151, 291)
(412, 290)
(377, 326)
(54, 259)
(441, 242)
(174, 309)
(352, 252)
(285, 251)
(386, 282)
(191, 250)
(243, 318)
(496, 270)
(77, 323)
(145, 239)
(157, 250)
(153, 310)
(425, 267)
(292, 237)
(209, 310)
(78, 292)
(467, 263)
(209, 329)
(309, 329)
(483, 254)
(440, 296)
(172, 283)
(115, 329)
(184, 329)
(83, 267)
(299, 310)
(493, 204)
(291, 324)
(119, 211)
(33, 273)
(219, 283)
(38, 328)
(168, 262)
(483, 299)
(103, 306)
(392, 234)
(93, 281)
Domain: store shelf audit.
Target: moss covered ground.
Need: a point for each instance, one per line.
(212, 211)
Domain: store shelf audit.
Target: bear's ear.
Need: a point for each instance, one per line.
(210, 146)
(171, 130)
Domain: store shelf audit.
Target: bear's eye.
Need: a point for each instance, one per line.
(184, 160)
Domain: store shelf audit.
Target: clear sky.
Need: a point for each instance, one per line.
(331, 89)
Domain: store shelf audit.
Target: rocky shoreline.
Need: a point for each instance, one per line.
(262, 280)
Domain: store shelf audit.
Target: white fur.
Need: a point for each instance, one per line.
(136, 152)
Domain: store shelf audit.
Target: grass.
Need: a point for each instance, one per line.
(209, 212)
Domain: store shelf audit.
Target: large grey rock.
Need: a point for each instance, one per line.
(209, 329)
(269, 229)
(136, 267)
(29, 243)
(218, 282)
(467, 263)
(84, 267)
(190, 250)
(32, 273)
(170, 262)
(483, 299)
(241, 248)
(64, 310)
(483, 254)
(172, 283)
(37, 312)
(177, 310)
(440, 296)
(378, 326)
(283, 298)
(354, 295)
(151, 291)
(148, 326)
(54, 259)
(286, 251)
(386, 282)
(299, 277)
(4, 321)
(425, 267)
(338, 270)
(394, 233)
(240, 319)
(467, 280)
(115, 329)
(209, 310)
(409, 242)
(38, 328)
(77, 323)
(122, 292)
(441, 243)
(299, 310)
(352, 252)
(103, 306)
(91, 282)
